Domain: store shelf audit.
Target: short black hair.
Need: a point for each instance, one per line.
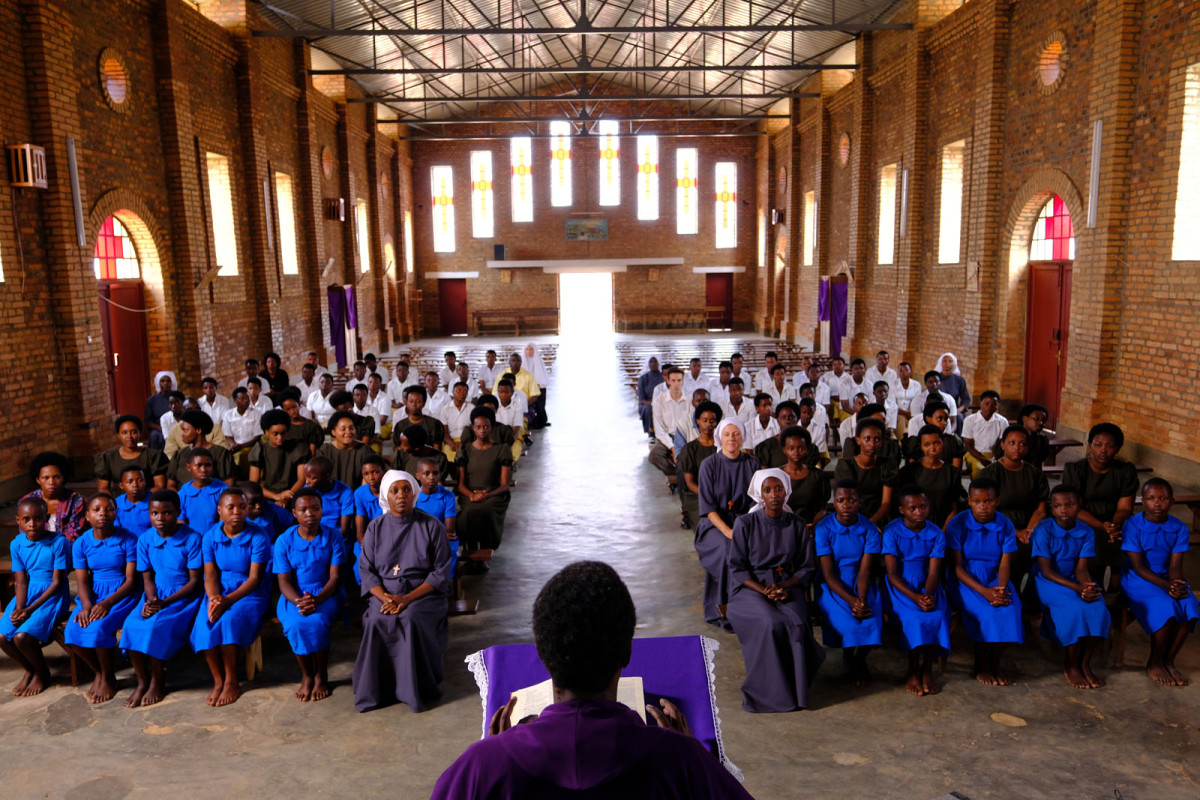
(254, 382)
(483, 411)
(274, 417)
(909, 490)
(857, 362)
(870, 410)
(240, 390)
(164, 496)
(177, 395)
(360, 363)
(320, 462)
(1066, 488)
(199, 452)
(933, 373)
(847, 485)
(877, 384)
(306, 492)
(128, 468)
(934, 405)
(1030, 408)
(340, 397)
(376, 460)
(416, 435)
(121, 420)
(230, 491)
(870, 422)
(777, 368)
(795, 432)
(761, 396)
(983, 485)
(708, 405)
(36, 502)
(1162, 483)
(414, 389)
(583, 620)
(49, 458)
(770, 354)
(992, 393)
(1110, 429)
(271, 355)
(213, 381)
(736, 355)
(788, 404)
(737, 380)
(488, 399)
(337, 417)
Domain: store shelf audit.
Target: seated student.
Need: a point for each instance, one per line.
(236, 557)
(363, 411)
(772, 563)
(940, 480)
(337, 499)
(671, 409)
(502, 434)
(484, 474)
(168, 421)
(462, 372)
(686, 431)
(1032, 418)
(981, 430)
(890, 448)
(933, 391)
(105, 562)
(982, 544)
(378, 399)
(438, 502)
(194, 427)
(1023, 493)
(818, 433)
(738, 363)
(449, 373)
(873, 476)
(399, 382)
(769, 452)
(488, 371)
(67, 508)
(414, 413)
(129, 452)
(913, 549)
(307, 562)
(169, 559)
(1154, 584)
(694, 378)
(345, 452)
(251, 371)
(905, 392)
(586, 743)
(937, 414)
(707, 416)
(1073, 612)
(271, 517)
(881, 390)
(764, 426)
(366, 503)
(813, 391)
(242, 426)
(302, 429)
(259, 400)
(662, 387)
(210, 402)
(779, 387)
(853, 384)
(847, 544)
(274, 377)
(809, 493)
(763, 376)
(455, 415)
(275, 463)
(735, 405)
(718, 387)
(833, 381)
(510, 413)
(434, 399)
(849, 424)
(306, 382)
(413, 445)
(39, 568)
(318, 401)
(375, 368)
(405, 569)
(198, 497)
(175, 438)
(1107, 486)
(358, 374)
(133, 507)
(364, 425)
(647, 381)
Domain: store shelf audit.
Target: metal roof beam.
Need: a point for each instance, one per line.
(582, 69)
(590, 30)
(587, 118)
(533, 98)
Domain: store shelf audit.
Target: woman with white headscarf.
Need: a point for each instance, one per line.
(724, 479)
(955, 385)
(772, 562)
(650, 378)
(158, 404)
(405, 571)
(537, 406)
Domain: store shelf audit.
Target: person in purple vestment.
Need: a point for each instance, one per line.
(405, 571)
(724, 479)
(586, 744)
(772, 562)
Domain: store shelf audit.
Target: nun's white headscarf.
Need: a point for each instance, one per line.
(648, 360)
(390, 477)
(534, 364)
(158, 376)
(954, 358)
(729, 422)
(756, 484)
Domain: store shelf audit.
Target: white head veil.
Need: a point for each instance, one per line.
(390, 477)
(534, 364)
(938, 367)
(756, 484)
(158, 376)
(646, 371)
(729, 422)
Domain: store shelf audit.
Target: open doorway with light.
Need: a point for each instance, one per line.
(585, 304)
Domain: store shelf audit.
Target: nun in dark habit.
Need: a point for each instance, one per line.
(405, 568)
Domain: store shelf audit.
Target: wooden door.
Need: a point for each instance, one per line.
(718, 299)
(127, 356)
(1046, 334)
(452, 305)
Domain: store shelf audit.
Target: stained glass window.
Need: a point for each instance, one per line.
(687, 191)
(726, 198)
(1053, 233)
(482, 195)
(520, 151)
(115, 257)
(441, 184)
(647, 177)
(610, 164)
(560, 163)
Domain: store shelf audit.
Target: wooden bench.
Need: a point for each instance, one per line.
(1054, 469)
(659, 319)
(519, 321)
(1057, 446)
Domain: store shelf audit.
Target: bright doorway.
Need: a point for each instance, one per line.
(585, 303)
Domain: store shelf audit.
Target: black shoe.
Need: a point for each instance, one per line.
(685, 523)
(546, 425)
(528, 440)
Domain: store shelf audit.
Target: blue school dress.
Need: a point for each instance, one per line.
(366, 504)
(39, 559)
(106, 558)
(982, 545)
(169, 558)
(1152, 606)
(242, 621)
(441, 505)
(847, 544)
(337, 501)
(133, 517)
(198, 505)
(274, 519)
(915, 549)
(309, 562)
(1065, 616)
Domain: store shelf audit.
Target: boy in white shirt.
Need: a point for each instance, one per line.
(399, 382)
(485, 376)
(240, 425)
(511, 411)
(736, 405)
(694, 379)
(251, 369)
(904, 391)
(818, 430)
(174, 409)
(820, 415)
(258, 401)
(463, 373)
(882, 391)
(849, 427)
(778, 387)
(362, 406)
(378, 399)
(375, 368)
(933, 387)
(455, 414)
(881, 371)
(763, 377)
(433, 398)
(311, 357)
(738, 364)
(718, 388)
(212, 403)
(448, 374)
(358, 374)
(307, 382)
(318, 401)
(764, 425)
(854, 383)
(981, 430)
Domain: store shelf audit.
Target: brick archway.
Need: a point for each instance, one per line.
(1012, 295)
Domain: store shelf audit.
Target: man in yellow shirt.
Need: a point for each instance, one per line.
(522, 379)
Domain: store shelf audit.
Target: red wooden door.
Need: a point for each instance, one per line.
(452, 305)
(1046, 334)
(127, 356)
(718, 299)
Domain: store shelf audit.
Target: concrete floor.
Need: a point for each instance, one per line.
(586, 492)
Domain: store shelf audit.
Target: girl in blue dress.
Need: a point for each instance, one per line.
(105, 562)
(39, 565)
(913, 549)
(236, 557)
(982, 544)
(1153, 583)
(847, 545)
(307, 564)
(169, 558)
(1073, 612)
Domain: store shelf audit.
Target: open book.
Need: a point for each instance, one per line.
(532, 699)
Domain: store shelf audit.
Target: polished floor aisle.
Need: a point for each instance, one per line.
(586, 492)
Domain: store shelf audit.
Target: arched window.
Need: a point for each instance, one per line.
(1053, 233)
(115, 258)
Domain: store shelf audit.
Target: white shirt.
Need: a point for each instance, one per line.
(756, 434)
(382, 372)
(368, 409)
(670, 414)
(317, 373)
(820, 416)
(788, 392)
(352, 381)
(382, 405)
(487, 376)
(832, 380)
(319, 406)
(846, 429)
(263, 405)
(454, 418)
(241, 427)
(660, 389)
(919, 406)
(167, 421)
(905, 395)
(395, 389)
(819, 432)
(890, 411)
(716, 392)
(849, 389)
(744, 415)
(916, 423)
(873, 374)
(435, 401)
(447, 376)
(691, 384)
(984, 432)
(307, 388)
(761, 379)
(216, 409)
(512, 414)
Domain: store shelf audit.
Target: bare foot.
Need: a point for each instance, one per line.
(1160, 674)
(914, 685)
(19, 689)
(135, 699)
(1002, 678)
(985, 677)
(862, 676)
(154, 694)
(1076, 678)
(321, 690)
(304, 693)
(1095, 681)
(37, 684)
(1180, 678)
(102, 692)
(928, 683)
(229, 694)
(214, 694)
(93, 689)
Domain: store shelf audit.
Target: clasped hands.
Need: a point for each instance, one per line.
(392, 603)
